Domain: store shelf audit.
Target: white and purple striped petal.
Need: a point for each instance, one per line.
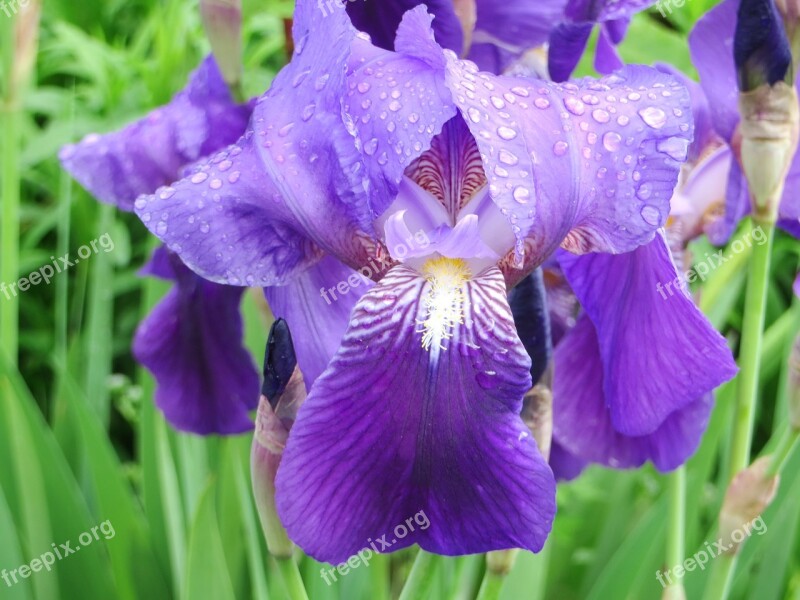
(391, 430)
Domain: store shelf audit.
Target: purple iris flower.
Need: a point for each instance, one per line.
(446, 186)
(711, 43)
(568, 40)
(192, 341)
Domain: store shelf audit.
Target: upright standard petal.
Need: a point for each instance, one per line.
(659, 352)
(434, 432)
(308, 177)
(507, 28)
(192, 343)
(381, 20)
(590, 166)
(118, 167)
(317, 306)
(582, 422)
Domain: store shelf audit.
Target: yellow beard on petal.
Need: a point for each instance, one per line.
(445, 301)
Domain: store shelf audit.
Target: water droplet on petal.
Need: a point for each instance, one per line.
(645, 191)
(674, 147)
(371, 146)
(560, 148)
(541, 103)
(233, 177)
(199, 177)
(521, 194)
(394, 106)
(321, 82)
(612, 141)
(161, 228)
(651, 215)
(507, 157)
(575, 106)
(506, 133)
(600, 115)
(653, 116)
(363, 87)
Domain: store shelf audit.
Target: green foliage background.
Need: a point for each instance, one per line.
(81, 442)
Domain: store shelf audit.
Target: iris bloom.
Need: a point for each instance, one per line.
(192, 341)
(355, 150)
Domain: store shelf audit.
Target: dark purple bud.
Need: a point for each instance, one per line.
(528, 301)
(280, 361)
(761, 48)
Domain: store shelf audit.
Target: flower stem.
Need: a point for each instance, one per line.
(491, 586)
(421, 577)
(784, 450)
(721, 579)
(676, 544)
(9, 255)
(291, 577)
(750, 350)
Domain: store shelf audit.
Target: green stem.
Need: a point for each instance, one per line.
(722, 574)
(291, 577)
(676, 544)
(750, 351)
(9, 229)
(491, 585)
(784, 450)
(721, 578)
(421, 577)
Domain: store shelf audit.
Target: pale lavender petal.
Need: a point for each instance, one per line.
(201, 119)
(192, 343)
(435, 432)
(632, 297)
(317, 306)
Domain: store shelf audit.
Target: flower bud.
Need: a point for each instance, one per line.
(222, 20)
(26, 40)
(537, 414)
(769, 135)
(761, 49)
(748, 496)
(282, 394)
